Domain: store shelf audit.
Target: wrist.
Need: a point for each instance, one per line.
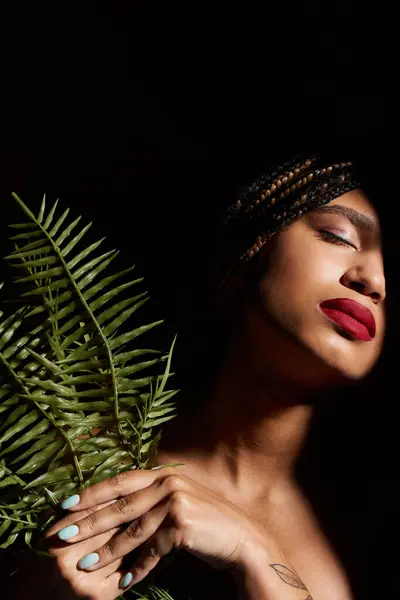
(250, 574)
(255, 557)
(259, 549)
(264, 573)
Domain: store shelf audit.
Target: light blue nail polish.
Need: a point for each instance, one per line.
(70, 502)
(68, 532)
(89, 560)
(125, 580)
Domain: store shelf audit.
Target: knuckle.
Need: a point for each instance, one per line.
(118, 480)
(179, 499)
(173, 482)
(121, 505)
(88, 522)
(109, 549)
(135, 528)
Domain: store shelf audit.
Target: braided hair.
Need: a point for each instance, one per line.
(273, 201)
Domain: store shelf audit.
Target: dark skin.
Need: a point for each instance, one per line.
(281, 319)
(245, 442)
(241, 451)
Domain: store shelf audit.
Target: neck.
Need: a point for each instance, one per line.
(250, 428)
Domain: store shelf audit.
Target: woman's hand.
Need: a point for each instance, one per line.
(61, 578)
(164, 510)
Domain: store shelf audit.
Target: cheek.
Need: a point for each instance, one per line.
(283, 293)
(300, 276)
(292, 276)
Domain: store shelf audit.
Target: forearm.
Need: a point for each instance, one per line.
(265, 574)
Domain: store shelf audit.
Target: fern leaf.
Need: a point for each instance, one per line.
(84, 254)
(41, 443)
(59, 223)
(37, 430)
(14, 416)
(20, 426)
(75, 240)
(66, 233)
(70, 366)
(41, 458)
(123, 339)
(42, 209)
(50, 216)
(57, 475)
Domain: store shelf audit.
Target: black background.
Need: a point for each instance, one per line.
(145, 117)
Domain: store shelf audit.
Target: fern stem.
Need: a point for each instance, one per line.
(17, 521)
(54, 325)
(59, 352)
(90, 313)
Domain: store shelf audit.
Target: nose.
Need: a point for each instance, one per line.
(368, 278)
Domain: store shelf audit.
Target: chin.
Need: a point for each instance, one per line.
(339, 359)
(361, 369)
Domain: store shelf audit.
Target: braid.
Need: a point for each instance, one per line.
(274, 200)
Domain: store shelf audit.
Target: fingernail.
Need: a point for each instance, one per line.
(89, 560)
(68, 532)
(70, 502)
(125, 580)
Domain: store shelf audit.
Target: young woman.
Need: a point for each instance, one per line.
(303, 299)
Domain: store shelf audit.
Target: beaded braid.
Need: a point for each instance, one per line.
(274, 200)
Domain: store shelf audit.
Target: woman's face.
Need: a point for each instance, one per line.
(305, 267)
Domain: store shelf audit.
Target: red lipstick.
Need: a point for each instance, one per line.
(352, 316)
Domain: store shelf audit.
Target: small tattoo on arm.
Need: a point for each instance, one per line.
(290, 577)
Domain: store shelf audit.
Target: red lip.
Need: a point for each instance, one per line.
(354, 309)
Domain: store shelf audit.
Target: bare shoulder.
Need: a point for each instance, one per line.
(294, 524)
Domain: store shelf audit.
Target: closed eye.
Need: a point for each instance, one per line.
(335, 239)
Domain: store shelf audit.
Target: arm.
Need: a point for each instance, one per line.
(264, 574)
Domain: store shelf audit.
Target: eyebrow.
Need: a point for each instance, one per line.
(357, 219)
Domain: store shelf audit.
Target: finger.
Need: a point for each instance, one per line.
(108, 570)
(69, 519)
(72, 553)
(93, 579)
(122, 484)
(137, 532)
(158, 546)
(125, 509)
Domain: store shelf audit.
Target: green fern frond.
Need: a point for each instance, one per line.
(69, 364)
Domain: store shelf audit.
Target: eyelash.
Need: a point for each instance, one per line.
(335, 239)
